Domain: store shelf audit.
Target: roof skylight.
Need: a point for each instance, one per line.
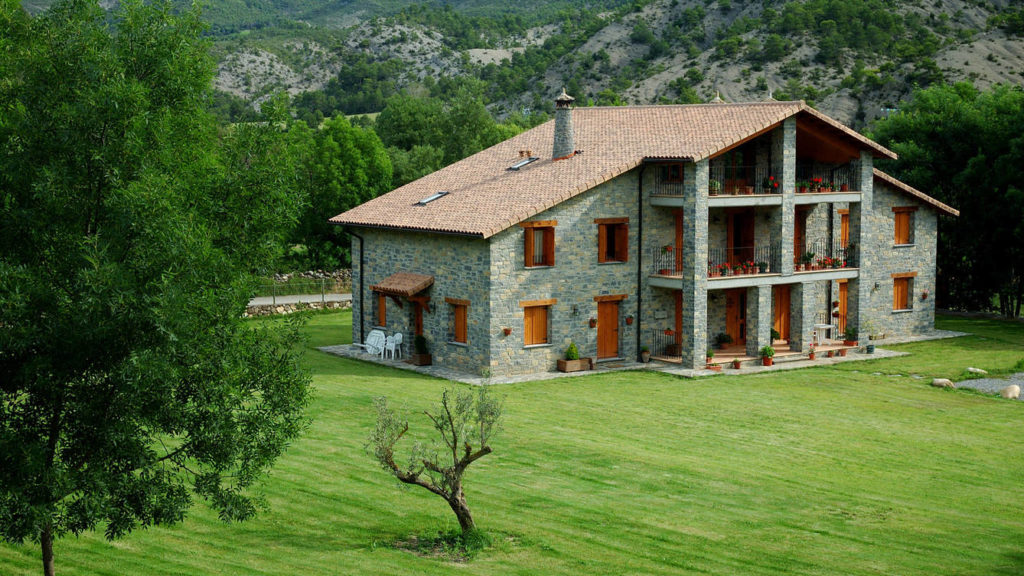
(432, 197)
(523, 162)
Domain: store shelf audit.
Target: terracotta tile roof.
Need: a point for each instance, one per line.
(485, 198)
(403, 284)
(882, 176)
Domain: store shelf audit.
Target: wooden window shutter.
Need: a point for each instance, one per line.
(602, 242)
(900, 289)
(549, 247)
(528, 246)
(540, 325)
(460, 323)
(622, 242)
(902, 227)
(528, 326)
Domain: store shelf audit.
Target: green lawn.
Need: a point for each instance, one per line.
(853, 469)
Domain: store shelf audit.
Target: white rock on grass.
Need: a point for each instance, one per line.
(1011, 392)
(973, 370)
(943, 383)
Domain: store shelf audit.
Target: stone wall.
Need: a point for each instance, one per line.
(887, 259)
(574, 281)
(460, 267)
(271, 309)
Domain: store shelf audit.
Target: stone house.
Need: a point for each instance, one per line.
(656, 226)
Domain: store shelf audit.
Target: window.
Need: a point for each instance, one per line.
(382, 310)
(459, 320)
(904, 224)
(539, 243)
(612, 239)
(902, 288)
(535, 321)
(672, 173)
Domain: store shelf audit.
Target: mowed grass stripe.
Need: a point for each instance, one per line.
(820, 471)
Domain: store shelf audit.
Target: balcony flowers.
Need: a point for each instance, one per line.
(803, 186)
(724, 269)
(666, 249)
(817, 185)
(770, 185)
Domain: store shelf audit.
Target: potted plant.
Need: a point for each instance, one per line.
(842, 352)
(593, 322)
(767, 355)
(850, 336)
(844, 187)
(736, 363)
(714, 187)
(770, 185)
(708, 356)
(810, 355)
(722, 340)
(831, 353)
(776, 335)
(807, 260)
(803, 187)
(762, 267)
(572, 361)
(645, 354)
(421, 357)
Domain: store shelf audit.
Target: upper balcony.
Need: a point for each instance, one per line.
(824, 182)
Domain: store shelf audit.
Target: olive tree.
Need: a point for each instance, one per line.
(464, 424)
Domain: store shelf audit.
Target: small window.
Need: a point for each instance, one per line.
(536, 318)
(382, 310)
(672, 173)
(904, 225)
(432, 197)
(539, 243)
(459, 320)
(535, 325)
(902, 288)
(612, 239)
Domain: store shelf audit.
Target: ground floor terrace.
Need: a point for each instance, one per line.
(810, 312)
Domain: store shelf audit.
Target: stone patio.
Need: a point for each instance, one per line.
(749, 367)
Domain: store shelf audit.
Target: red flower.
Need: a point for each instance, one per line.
(668, 332)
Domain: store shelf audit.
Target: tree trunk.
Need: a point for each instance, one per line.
(458, 504)
(46, 541)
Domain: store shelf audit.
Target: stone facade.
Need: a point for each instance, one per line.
(460, 267)
(888, 259)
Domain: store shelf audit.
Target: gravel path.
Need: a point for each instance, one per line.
(994, 385)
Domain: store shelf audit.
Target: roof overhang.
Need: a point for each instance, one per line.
(883, 177)
(403, 284)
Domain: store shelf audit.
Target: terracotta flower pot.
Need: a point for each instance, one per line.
(736, 364)
(767, 361)
(810, 356)
(842, 352)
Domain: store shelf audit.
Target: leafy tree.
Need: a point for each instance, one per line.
(966, 148)
(465, 423)
(129, 231)
(342, 166)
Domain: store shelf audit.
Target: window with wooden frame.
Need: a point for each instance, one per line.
(672, 173)
(459, 327)
(536, 319)
(539, 243)
(902, 288)
(612, 239)
(903, 217)
(382, 309)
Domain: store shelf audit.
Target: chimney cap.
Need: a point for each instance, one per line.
(718, 98)
(564, 100)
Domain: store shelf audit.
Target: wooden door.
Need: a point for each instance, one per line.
(679, 240)
(736, 315)
(841, 321)
(740, 232)
(608, 329)
(780, 311)
(844, 228)
(799, 235)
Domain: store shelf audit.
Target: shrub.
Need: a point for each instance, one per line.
(572, 352)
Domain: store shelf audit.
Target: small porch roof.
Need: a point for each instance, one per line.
(403, 284)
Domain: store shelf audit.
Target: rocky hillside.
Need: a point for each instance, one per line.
(850, 58)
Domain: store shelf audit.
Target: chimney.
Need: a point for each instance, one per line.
(565, 145)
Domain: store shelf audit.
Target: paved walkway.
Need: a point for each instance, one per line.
(297, 298)
(350, 351)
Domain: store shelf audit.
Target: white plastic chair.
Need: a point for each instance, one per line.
(374, 343)
(393, 346)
